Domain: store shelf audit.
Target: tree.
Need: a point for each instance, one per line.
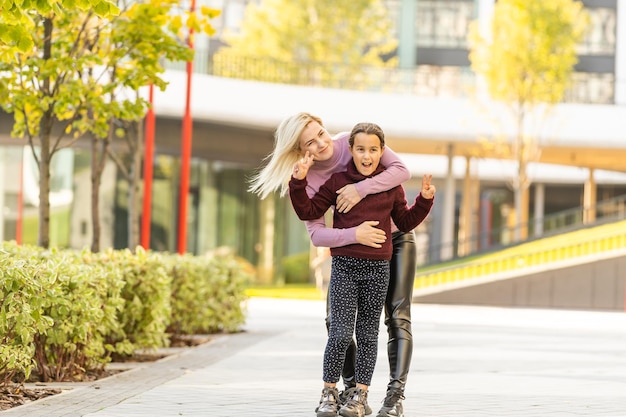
(73, 68)
(36, 83)
(325, 42)
(527, 60)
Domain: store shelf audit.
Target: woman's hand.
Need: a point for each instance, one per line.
(428, 190)
(368, 235)
(347, 197)
(301, 168)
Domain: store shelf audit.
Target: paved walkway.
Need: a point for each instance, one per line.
(468, 362)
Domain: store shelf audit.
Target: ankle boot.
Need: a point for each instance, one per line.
(329, 403)
(354, 405)
(392, 405)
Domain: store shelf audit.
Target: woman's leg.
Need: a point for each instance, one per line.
(398, 320)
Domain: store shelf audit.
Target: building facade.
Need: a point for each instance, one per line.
(432, 48)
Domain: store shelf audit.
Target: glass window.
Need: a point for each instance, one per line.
(443, 24)
(600, 39)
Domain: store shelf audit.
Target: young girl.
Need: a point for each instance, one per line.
(304, 132)
(360, 273)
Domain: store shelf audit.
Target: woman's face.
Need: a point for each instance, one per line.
(317, 141)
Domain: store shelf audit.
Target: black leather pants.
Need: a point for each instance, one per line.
(397, 314)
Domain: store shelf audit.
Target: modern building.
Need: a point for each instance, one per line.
(427, 110)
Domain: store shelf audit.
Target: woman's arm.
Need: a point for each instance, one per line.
(329, 237)
(366, 234)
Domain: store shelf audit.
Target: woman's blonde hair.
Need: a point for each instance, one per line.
(277, 171)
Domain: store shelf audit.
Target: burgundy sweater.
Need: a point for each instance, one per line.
(383, 207)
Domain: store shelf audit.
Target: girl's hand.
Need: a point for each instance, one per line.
(301, 168)
(428, 190)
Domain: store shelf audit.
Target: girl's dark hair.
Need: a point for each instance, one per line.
(369, 129)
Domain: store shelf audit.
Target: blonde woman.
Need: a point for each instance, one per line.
(304, 132)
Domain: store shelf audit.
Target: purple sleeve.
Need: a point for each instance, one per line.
(323, 236)
(395, 174)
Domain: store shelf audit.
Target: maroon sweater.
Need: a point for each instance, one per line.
(383, 207)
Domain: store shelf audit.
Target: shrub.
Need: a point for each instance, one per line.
(296, 268)
(207, 294)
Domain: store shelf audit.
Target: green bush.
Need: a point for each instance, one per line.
(78, 301)
(208, 294)
(296, 268)
(22, 300)
(63, 312)
(146, 294)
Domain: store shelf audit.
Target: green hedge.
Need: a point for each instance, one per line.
(64, 313)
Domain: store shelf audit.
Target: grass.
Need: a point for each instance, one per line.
(549, 249)
(292, 291)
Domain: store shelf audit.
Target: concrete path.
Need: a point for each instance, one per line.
(467, 362)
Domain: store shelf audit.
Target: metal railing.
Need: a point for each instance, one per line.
(613, 240)
(610, 210)
(423, 80)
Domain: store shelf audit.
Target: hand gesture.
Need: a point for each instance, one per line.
(347, 198)
(301, 168)
(428, 190)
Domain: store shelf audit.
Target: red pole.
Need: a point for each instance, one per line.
(20, 203)
(185, 156)
(147, 173)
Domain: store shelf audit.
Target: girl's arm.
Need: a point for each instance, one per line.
(309, 208)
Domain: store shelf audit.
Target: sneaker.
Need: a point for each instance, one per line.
(392, 404)
(345, 395)
(329, 403)
(355, 404)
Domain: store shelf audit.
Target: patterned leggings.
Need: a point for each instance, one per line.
(358, 288)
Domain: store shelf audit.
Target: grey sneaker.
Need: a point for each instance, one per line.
(355, 404)
(345, 395)
(392, 404)
(329, 403)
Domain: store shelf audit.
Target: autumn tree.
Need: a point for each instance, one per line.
(29, 70)
(328, 42)
(70, 69)
(526, 59)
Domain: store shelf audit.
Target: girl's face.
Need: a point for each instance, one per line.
(315, 139)
(366, 152)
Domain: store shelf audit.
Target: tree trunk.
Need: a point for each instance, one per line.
(44, 182)
(134, 187)
(45, 128)
(96, 179)
(521, 182)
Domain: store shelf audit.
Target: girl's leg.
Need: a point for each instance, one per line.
(372, 285)
(343, 305)
(349, 363)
